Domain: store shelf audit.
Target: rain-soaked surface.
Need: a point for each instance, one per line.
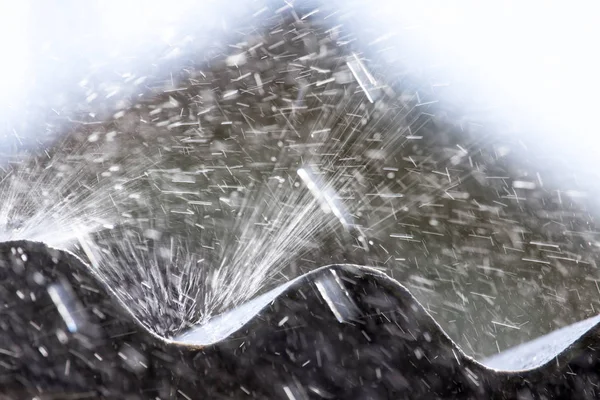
(341, 331)
(220, 162)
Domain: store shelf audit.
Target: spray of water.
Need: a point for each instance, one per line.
(185, 228)
(172, 284)
(62, 195)
(247, 165)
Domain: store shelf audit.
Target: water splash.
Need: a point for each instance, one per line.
(57, 198)
(187, 228)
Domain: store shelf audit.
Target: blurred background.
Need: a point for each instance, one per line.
(199, 153)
